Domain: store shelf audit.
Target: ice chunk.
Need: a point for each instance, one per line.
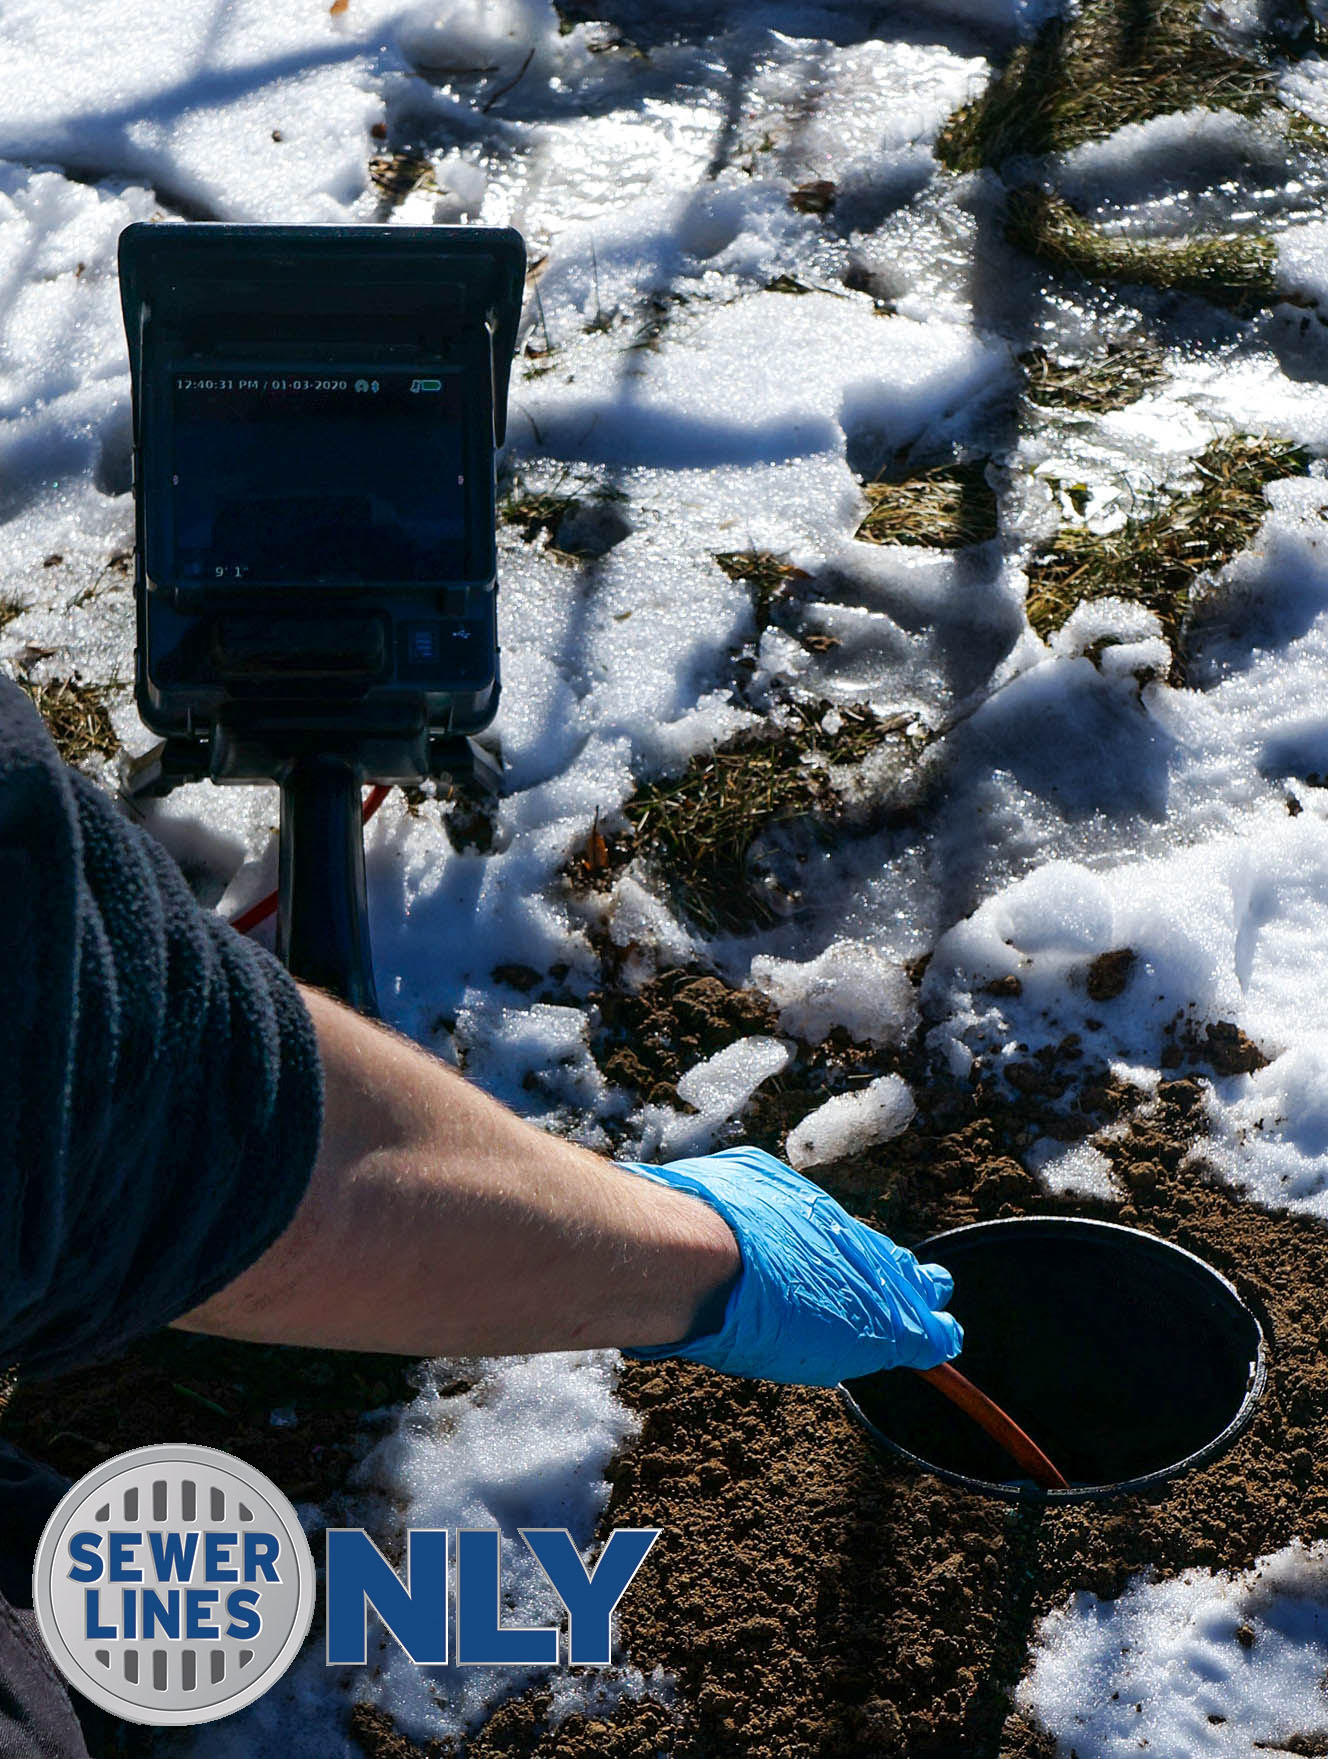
(850, 984)
(725, 1082)
(852, 1122)
(719, 1088)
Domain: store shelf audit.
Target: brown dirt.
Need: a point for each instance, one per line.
(174, 1387)
(809, 1596)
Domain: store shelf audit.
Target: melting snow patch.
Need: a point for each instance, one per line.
(1233, 930)
(850, 984)
(498, 37)
(527, 1446)
(852, 1122)
(1302, 257)
(1081, 1170)
(1202, 1665)
(599, 1694)
(638, 920)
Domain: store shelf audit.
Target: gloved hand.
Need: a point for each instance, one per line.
(820, 1297)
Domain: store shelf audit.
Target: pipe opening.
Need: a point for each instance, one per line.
(1125, 1358)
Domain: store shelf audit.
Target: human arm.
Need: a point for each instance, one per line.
(162, 1090)
(436, 1222)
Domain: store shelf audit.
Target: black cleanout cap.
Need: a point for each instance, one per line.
(210, 288)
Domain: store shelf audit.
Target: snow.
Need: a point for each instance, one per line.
(718, 1089)
(190, 111)
(849, 985)
(1229, 930)
(1074, 803)
(526, 1445)
(1082, 1170)
(851, 1123)
(1168, 168)
(1205, 1664)
(728, 1079)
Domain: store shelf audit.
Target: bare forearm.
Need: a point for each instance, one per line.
(437, 1223)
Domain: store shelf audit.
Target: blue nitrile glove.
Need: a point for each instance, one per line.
(820, 1296)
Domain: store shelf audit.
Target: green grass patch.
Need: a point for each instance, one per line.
(699, 828)
(947, 507)
(1083, 77)
(1122, 374)
(1236, 271)
(1155, 560)
(76, 716)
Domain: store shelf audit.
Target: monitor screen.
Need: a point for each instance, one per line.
(290, 479)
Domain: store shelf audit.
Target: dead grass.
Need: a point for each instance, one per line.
(76, 716)
(763, 571)
(1155, 561)
(538, 516)
(396, 175)
(1084, 77)
(947, 507)
(1119, 376)
(699, 828)
(10, 608)
(1237, 271)
(1303, 131)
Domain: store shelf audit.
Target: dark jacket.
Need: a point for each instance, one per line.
(160, 1089)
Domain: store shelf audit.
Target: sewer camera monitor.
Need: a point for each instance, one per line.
(317, 411)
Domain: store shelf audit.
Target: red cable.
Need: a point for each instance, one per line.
(265, 907)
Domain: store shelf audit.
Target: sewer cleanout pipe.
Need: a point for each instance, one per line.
(1127, 1359)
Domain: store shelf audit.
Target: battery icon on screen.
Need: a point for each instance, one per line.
(426, 385)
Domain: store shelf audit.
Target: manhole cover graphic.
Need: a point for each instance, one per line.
(173, 1585)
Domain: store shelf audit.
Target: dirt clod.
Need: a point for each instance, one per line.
(1109, 973)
